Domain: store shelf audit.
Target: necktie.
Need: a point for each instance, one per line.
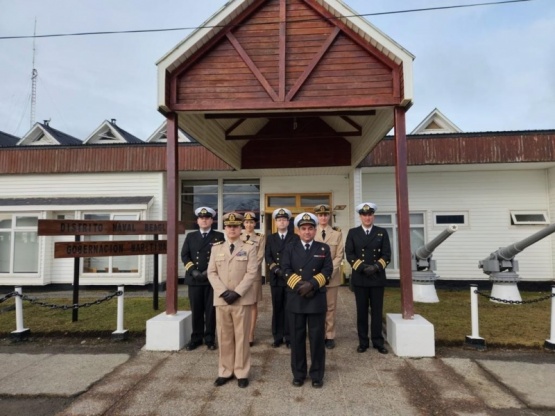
(367, 232)
(231, 248)
(248, 237)
(323, 234)
(307, 247)
(204, 235)
(282, 237)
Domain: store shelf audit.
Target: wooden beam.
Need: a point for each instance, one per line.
(298, 114)
(315, 60)
(234, 126)
(252, 66)
(303, 135)
(352, 123)
(282, 45)
(403, 218)
(172, 178)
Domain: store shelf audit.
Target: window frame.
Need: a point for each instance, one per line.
(464, 214)
(21, 229)
(515, 221)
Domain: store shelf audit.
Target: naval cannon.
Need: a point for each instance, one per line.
(423, 267)
(502, 268)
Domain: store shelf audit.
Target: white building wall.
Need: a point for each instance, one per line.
(83, 185)
(488, 197)
(551, 211)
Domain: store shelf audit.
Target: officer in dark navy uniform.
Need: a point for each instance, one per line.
(368, 251)
(195, 255)
(308, 268)
(275, 245)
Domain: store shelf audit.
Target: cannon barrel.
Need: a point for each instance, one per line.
(427, 249)
(508, 252)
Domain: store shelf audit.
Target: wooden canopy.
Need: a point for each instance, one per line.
(283, 84)
(262, 76)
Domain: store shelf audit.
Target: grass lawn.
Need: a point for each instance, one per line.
(501, 325)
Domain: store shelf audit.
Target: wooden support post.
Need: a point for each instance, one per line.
(172, 171)
(403, 218)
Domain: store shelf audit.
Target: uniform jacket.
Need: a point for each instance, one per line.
(195, 254)
(236, 271)
(315, 267)
(259, 241)
(334, 239)
(274, 254)
(361, 250)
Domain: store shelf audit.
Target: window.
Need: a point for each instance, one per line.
(239, 195)
(116, 264)
(446, 218)
(528, 217)
(389, 222)
(19, 248)
(196, 194)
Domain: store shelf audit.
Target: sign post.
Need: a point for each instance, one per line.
(78, 248)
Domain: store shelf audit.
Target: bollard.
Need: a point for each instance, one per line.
(120, 334)
(20, 332)
(474, 340)
(550, 343)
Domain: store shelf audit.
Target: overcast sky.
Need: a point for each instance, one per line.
(486, 68)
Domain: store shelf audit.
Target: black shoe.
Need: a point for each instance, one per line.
(243, 382)
(381, 350)
(277, 343)
(211, 346)
(193, 345)
(297, 382)
(317, 384)
(220, 381)
(288, 344)
(362, 348)
(330, 344)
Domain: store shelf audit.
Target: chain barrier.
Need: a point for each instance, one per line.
(8, 296)
(515, 302)
(35, 301)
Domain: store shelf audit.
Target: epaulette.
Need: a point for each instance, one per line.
(259, 234)
(217, 243)
(249, 242)
(336, 228)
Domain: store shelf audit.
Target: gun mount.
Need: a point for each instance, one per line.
(423, 267)
(501, 265)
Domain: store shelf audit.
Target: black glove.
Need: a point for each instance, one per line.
(370, 270)
(197, 275)
(278, 272)
(205, 274)
(304, 288)
(230, 296)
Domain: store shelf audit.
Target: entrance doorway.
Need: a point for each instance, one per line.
(296, 203)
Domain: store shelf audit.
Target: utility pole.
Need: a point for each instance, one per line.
(34, 75)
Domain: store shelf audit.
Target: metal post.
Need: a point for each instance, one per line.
(155, 280)
(120, 333)
(76, 271)
(20, 332)
(474, 340)
(550, 343)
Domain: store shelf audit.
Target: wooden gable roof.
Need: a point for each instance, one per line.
(258, 60)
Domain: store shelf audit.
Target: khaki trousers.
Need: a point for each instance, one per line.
(331, 298)
(232, 326)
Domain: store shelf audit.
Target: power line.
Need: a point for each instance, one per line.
(116, 32)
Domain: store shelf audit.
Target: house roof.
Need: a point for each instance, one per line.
(8, 139)
(43, 134)
(110, 133)
(436, 123)
(61, 137)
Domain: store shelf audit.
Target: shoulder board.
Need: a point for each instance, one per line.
(216, 243)
(336, 228)
(249, 242)
(259, 234)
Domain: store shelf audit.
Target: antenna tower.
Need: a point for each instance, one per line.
(34, 75)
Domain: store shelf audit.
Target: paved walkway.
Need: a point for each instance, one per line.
(456, 382)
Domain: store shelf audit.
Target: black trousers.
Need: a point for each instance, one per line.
(201, 299)
(280, 325)
(316, 323)
(372, 297)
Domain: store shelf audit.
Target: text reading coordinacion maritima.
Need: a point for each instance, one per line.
(113, 248)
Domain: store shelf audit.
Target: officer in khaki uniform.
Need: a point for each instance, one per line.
(259, 241)
(232, 271)
(333, 237)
